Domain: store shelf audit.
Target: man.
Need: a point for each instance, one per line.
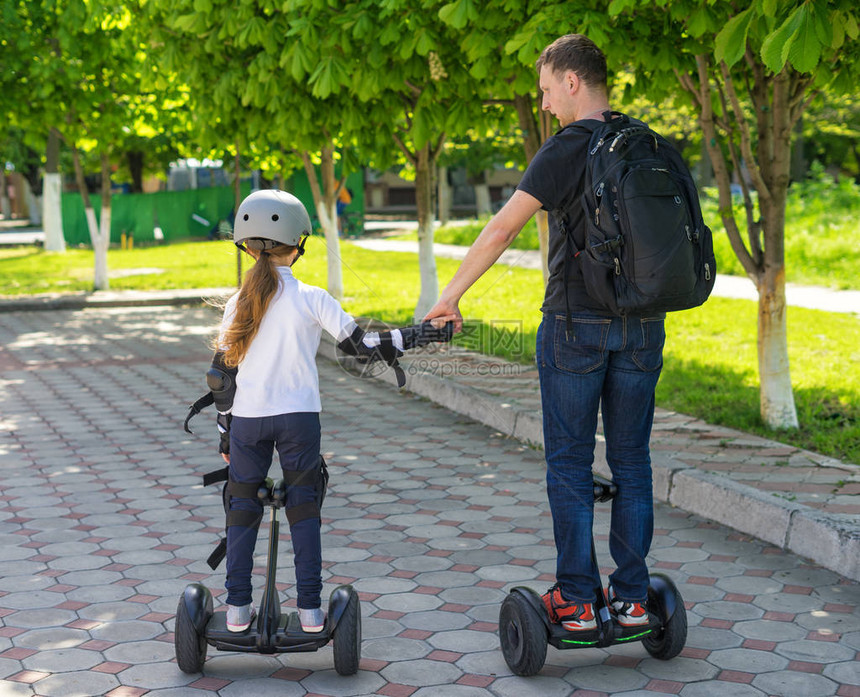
(596, 359)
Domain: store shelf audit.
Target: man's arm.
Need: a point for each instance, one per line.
(494, 239)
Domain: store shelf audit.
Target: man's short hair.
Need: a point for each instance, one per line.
(578, 53)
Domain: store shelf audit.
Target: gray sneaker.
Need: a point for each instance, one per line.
(239, 617)
(313, 620)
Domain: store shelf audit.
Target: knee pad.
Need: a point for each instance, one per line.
(242, 490)
(245, 519)
(317, 477)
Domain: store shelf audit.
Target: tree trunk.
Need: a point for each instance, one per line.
(768, 167)
(545, 129)
(444, 196)
(776, 395)
(798, 161)
(5, 203)
(100, 280)
(542, 223)
(34, 203)
(483, 204)
(135, 167)
(705, 169)
(325, 201)
(237, 200)
(524, 104)
(535, 132)
(426, 259)
(52, 194)
(33, 189)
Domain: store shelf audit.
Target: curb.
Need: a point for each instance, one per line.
(828, 540)
(107, 298)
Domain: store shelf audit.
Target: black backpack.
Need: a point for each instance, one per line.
(647, 248)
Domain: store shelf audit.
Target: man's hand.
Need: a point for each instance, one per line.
(445, 311)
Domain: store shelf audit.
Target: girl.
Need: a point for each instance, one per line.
(266, 387)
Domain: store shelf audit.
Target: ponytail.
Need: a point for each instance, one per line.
(258, 288)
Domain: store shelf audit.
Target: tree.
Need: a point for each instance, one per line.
(501, 57)
(245, 79)
(750, 69)
(405, 69)
(29, 42)
(103, 62)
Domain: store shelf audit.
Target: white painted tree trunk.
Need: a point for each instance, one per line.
(52, 218)
(443, 196)
(482, 197)
(328, 221)
(778, 410)
(543, 243)
(325, 201)
(427, 267)
(100, 238)
(426, 255)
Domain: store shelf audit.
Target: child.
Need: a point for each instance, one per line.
(266, 388)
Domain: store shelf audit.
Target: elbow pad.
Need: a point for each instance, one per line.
(385, 351)
(425, 333)
(354, 345)
(222, 383)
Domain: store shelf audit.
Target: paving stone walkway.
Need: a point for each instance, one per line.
(430, 515)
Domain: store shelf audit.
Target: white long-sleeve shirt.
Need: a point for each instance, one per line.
(278, 374)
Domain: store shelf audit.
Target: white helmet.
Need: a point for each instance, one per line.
(270, 217)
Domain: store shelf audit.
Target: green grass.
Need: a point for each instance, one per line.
(710, 359)
(710, 371)
(25, 270)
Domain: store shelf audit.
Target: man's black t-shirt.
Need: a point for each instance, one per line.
(555, 177)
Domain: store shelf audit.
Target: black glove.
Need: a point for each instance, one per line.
(425, 333)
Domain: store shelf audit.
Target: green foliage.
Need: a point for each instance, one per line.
(730, 43)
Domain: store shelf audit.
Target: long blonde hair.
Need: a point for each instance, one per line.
(258, 288)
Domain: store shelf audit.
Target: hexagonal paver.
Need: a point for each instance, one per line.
(795, 684)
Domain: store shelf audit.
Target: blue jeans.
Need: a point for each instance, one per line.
(611, 364)
(252, 443)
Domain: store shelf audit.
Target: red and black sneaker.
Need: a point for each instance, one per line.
(627, 614)
(573, 615)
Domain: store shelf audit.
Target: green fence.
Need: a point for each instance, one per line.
(179, 214)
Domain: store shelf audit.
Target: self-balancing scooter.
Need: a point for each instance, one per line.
(198, 626)
(525, 629)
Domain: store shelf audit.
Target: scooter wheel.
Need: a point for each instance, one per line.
(190, 645)
(347, 638)
(522, 635)
(669, 641)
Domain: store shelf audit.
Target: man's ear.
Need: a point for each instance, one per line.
(571, 82)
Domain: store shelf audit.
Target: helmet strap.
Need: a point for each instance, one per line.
(300, 248)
